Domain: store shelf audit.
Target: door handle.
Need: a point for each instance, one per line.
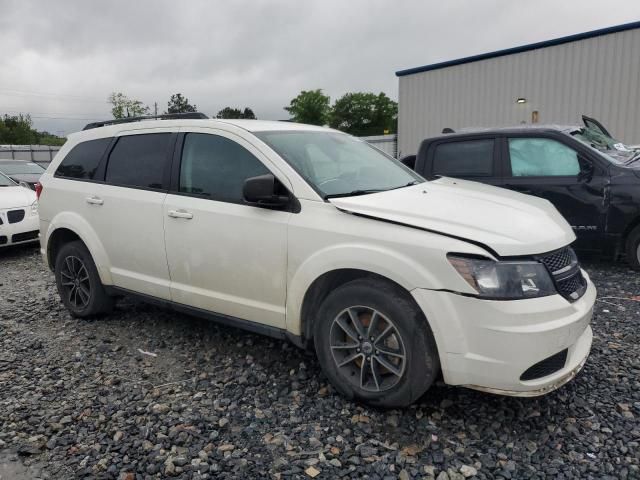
(94, 200)
(180, 214)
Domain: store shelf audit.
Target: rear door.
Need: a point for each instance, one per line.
(549, 168)
(126, 210)
(470, 158)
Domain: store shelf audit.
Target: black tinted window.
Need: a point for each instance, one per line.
(472, 158)
(83, 159)
(139, 160)
(216, 167)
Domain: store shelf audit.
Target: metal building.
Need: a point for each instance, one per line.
(595, 73)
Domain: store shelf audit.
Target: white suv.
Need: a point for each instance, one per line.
(306, 233)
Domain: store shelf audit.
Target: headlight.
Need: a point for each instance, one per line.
(34, 208)
(504, 280)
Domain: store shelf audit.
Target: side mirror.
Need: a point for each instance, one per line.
(586, 170)
(264, 191)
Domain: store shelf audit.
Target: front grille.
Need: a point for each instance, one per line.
(15, 216)
(3, 240)
(546, 367)
(571, 285)
(559, 260)
(23, 237)
(565, 270)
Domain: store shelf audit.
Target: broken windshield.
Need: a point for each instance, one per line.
(609, 147)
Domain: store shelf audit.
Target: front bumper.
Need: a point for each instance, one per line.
(487, 344)
(24, 231)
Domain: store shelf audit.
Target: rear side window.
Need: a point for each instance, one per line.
(216, 167)
(471, 158)
(139, 161)
(83, 159)
(542, 157)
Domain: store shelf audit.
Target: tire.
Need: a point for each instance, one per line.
(633, 248)
(78, 282)
(350, 363)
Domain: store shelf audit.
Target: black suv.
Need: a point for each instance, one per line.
(591, 178)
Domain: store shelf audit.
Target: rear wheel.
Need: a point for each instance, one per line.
(375, 345)
(78, 282)
(633, 248)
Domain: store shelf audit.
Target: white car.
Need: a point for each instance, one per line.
(18, 213)
(306, 233)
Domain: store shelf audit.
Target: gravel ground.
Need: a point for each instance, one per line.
(78, 399)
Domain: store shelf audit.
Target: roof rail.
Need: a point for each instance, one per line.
(166, 116)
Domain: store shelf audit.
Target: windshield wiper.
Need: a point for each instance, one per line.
(353, 193)
(413, 182)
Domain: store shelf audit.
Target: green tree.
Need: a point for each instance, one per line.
(17, 130)
(46, 138)
(228, 112)
(123, 106)
(310, 106)
(363, 114)
(180, 104)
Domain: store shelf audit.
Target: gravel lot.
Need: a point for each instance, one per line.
(78, 399)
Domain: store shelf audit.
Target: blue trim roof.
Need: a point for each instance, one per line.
(523, 48)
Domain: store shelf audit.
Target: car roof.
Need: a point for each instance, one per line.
(249, 125)
(567, 129)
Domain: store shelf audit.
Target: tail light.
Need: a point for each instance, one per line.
(38, 190)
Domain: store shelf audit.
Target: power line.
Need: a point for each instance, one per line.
(76, 98)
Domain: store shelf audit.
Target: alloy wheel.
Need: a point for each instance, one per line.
(75, 282)
(367, 348)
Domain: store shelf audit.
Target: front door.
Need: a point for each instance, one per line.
(224, 256)
(547, 168)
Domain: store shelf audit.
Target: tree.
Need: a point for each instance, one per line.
(310, 107)
(363, 114)
(179, 104)
(228, 112)
(17, 130)
(124, 107)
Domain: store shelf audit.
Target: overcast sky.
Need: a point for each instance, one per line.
(63, 58)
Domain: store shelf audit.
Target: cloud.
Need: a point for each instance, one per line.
(255, 53)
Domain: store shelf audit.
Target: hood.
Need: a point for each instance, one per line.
(12, 197)
(507, 222)
(25, 177)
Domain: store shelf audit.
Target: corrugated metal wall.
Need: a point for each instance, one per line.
(599, 77)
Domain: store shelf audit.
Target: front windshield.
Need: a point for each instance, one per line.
(337, 165)
(20, 168)
(610, 148)
(6, 181)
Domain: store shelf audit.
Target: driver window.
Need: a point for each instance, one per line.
(542, 157)
(216, 167)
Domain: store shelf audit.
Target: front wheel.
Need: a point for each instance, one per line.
(78, 282)
(374, 344)
(633, 248)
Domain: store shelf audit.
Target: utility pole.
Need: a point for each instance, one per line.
(155, 109)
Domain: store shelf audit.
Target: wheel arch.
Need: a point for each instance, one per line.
(326, 283)
(68, 227)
